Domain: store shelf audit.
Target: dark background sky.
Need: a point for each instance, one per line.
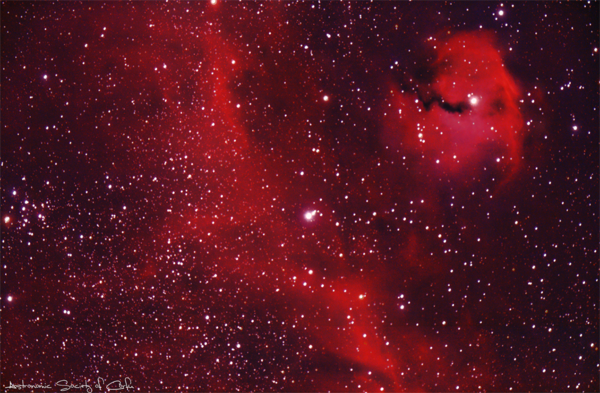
(305, 196)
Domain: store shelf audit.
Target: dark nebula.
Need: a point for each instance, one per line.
(300, 196)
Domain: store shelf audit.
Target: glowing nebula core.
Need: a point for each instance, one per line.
(465, 109)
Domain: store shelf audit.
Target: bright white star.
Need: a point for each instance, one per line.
(310, 215)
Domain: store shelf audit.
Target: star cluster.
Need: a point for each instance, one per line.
(300, 196)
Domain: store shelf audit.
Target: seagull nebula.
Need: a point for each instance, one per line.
(300, 196)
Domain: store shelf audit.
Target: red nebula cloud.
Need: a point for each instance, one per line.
(463, 111)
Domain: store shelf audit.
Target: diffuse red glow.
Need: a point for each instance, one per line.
(265, 203)
(466, 113)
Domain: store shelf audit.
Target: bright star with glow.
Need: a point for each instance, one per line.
(310, 215)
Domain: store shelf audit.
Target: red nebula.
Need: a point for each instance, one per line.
(463, 112)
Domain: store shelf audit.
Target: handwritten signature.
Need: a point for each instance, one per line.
(66, 386)
(22, 385)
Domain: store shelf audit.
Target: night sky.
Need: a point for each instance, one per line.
(300, 196)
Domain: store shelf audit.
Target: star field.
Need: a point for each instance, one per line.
(300, 196)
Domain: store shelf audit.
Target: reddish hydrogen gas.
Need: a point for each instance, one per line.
(463, 111)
